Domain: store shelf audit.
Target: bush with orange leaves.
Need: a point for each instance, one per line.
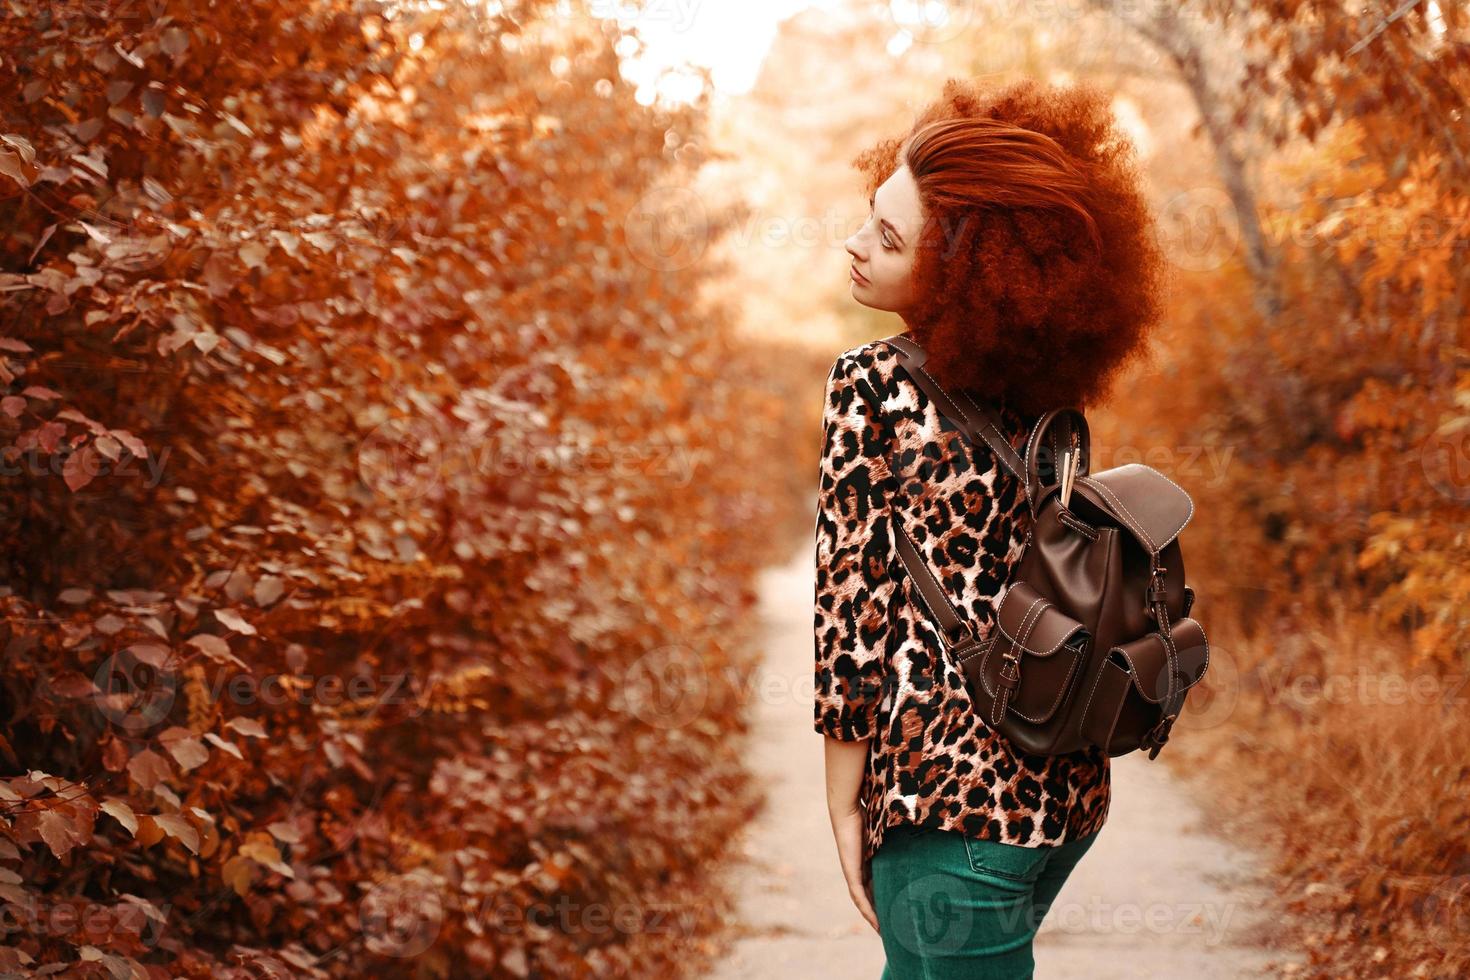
(363, 485)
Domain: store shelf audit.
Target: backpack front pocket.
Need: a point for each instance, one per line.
(1039, 645)
(1125, 700)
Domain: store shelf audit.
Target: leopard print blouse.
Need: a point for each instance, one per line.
(881, 669)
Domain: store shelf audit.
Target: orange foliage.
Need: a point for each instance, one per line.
(1329, 450)
(368, 475)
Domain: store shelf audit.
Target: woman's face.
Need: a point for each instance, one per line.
(883, 249)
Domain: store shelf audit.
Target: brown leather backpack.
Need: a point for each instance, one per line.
(1093, 644)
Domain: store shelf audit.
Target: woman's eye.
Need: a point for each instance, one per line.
(883, 237)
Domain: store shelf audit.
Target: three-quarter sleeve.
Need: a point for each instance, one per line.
(854, 557)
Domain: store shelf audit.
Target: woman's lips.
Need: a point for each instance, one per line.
(858, 277)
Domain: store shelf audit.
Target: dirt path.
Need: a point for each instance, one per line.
(1157, 896)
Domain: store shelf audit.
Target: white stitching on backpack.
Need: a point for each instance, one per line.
(1014, 642)
(1087, 708)
(1187, 517)
(1128, 515)
(992, 427)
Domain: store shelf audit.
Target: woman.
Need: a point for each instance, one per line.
(1009, 234)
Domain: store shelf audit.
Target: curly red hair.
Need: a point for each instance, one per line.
(1038, 271)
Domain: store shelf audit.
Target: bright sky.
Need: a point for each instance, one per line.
(731, 38)
(728, 37)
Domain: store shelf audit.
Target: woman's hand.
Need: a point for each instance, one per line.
(847, 828)
(845, 763)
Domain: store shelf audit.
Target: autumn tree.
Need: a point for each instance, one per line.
(369, 468)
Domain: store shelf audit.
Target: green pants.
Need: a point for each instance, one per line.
(952, 906)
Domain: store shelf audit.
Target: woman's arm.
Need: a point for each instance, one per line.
(845, 762)
(855, 588)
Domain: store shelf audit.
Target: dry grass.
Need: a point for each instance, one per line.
(1351, 769)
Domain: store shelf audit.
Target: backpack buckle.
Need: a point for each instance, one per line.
(1155, 738)
(1156, 585)
(967, 634)
(1010, 668)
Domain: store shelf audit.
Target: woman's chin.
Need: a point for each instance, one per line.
(864, 295)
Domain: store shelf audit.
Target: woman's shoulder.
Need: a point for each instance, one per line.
(880, 364)
(876, 357)
(874, 368)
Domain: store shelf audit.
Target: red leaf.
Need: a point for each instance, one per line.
(148, 768)
(216, 648)
(74, 685)
(233, 620)
(81, 468)
(179, 828)
(40, 392)
(60, 833)
(152, 654)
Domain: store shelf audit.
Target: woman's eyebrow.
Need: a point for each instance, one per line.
(872, 202)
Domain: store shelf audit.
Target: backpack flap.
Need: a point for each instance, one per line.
(1125, 697)
(1151, 506)
(1147, 659)
(1048, 645)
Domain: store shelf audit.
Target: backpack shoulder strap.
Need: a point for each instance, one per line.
(976, 421)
